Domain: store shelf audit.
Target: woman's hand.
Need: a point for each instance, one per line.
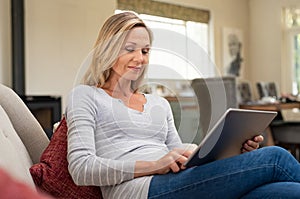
(252, 144)
(172, 161)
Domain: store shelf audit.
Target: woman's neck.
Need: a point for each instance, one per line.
(121, 89)
(118, 87)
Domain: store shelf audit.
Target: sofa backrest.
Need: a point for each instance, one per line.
(14, 157)
(24, 123)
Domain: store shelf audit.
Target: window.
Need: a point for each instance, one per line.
(176, 46)
(296, 63)
(292, 36)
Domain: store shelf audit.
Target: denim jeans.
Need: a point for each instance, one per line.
(269, 172)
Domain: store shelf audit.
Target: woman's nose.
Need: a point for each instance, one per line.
(139, 56)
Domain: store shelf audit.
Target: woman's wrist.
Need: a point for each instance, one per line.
(145, 168)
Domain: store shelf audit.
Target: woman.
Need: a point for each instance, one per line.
(126, 142)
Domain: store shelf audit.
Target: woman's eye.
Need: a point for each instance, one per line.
(145, 51)
(132, 49)
(129, 48)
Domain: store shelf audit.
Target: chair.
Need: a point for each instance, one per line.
(245, 94)
(287, 135)
(261, 88)
(267, 89)
(286, 131)
(272, 90)
(215, 95)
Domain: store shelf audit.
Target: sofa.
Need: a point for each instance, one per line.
(22, 142)
(22, 139)
(29, 158)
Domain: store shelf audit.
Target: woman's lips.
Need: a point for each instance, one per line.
(135, 68)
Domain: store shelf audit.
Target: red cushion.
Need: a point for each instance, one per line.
(12, 188)
(52, 175)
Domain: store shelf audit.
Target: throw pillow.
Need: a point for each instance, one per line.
(52, 175)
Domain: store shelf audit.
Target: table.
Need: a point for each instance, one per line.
(270, 106)
(280, 132)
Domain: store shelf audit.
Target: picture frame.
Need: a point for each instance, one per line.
(232, 52)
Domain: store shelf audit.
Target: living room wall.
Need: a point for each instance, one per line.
(267, 60)
(5, 47)
(60, 33)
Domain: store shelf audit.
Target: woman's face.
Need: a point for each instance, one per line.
(134, 55)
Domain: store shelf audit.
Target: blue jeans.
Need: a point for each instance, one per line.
(269, 172)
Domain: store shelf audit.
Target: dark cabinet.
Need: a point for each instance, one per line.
(46, 109)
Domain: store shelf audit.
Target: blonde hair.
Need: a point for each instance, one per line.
(108, 46)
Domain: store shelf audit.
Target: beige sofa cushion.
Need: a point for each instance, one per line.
(14, 155)
(25, 124)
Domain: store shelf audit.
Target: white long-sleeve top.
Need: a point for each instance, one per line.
(106, 138)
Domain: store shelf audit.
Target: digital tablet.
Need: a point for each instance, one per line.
(229, 133)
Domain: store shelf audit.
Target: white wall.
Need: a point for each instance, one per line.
(5, 43)
(267, 42)
(59, 35)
